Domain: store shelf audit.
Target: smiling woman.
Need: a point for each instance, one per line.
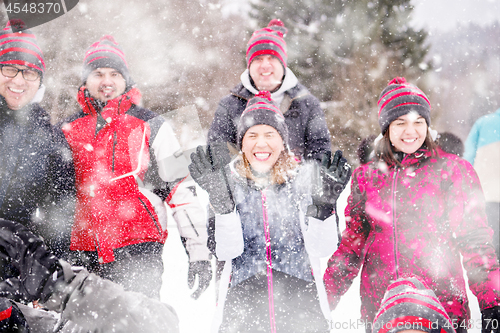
(271, 225)
(404, 118)
(413, 210)
(262, 145)
(408, 132)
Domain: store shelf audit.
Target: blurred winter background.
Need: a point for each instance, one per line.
(188, 53)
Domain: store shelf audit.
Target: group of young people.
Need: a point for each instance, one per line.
(93, 187)
(413, 211)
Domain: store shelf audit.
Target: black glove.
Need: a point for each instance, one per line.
(490, 319)
(38, 269)
(331, 180)
(208, 171)
(203, 269)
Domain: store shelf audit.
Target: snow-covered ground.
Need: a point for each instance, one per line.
(196, 315)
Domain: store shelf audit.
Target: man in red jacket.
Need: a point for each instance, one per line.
(127, 164)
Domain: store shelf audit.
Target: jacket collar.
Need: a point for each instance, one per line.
(420, 155)
(116, 106)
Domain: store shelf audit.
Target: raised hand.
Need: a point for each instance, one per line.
(207, 169)
(333, 176)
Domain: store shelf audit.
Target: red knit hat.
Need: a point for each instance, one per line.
(262, 110)
(106, 53)
(20, 47)
(398, 99)
(268, 40)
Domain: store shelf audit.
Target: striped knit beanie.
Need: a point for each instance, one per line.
(106, 53)
(268, 40)
(398, 99)
(409, 304)
(262, 110)
(20, 47)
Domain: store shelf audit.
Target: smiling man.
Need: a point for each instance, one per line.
(18, 90)
(31, 177)
(22, 67)
(128, 163)
(267, 70)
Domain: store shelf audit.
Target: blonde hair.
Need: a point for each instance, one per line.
(285, 163)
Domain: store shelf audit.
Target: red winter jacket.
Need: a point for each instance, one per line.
(121, 156)
(416, 220)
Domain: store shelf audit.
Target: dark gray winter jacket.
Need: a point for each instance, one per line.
(270, 215)
(308, 132)
(32, 176)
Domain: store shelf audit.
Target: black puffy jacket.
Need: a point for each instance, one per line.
(36, 187)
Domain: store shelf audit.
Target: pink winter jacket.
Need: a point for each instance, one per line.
(416, 220)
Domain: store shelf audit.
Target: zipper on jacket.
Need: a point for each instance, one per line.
(113, 153)
(150, 215)
(394, 231)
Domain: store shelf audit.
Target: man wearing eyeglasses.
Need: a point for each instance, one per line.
(18, 90)
(31, 179)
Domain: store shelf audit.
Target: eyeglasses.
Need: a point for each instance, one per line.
(28, 73)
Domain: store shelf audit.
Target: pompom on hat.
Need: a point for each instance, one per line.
(400, 98)
(106, 53)
(262, 110)
(18, 46)
(409, 304)
(269, 40)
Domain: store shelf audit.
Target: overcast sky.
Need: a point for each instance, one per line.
(446, 14)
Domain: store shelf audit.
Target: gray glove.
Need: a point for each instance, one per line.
(208, 171)
(203, 269)
(331, 179)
